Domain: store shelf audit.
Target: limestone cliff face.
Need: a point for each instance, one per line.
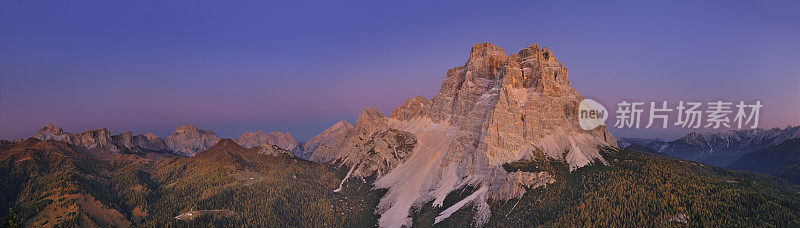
(413, 107)
(126, 142)
(256, 139)
(137, 143)
(187, 140)
(370, 147)
(496, 108)
(90, 139)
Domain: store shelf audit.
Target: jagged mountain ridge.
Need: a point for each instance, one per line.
(326, 138)
(718, 148)
(280, 139)
(185, 141)
(495, 109)
(97, 139)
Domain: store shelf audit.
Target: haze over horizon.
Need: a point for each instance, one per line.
(150, 66)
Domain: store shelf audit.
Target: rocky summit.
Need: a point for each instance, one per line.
(280, 139)
(187, 140)
(325, 139)
(495, 109)
(101, 139)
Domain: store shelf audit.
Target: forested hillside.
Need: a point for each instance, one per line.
(49, 183)
(641, 189)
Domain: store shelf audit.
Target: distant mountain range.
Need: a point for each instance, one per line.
(719, 149)
(782, 160)
(186, 141)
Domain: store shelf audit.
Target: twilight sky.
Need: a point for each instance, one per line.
(301, 66)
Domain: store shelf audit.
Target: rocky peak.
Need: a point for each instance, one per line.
(539, 69)
(412, 108)
(370, 120)
(151, 136)
(128, 142)
(252, 139)
(90, 139)
(325, 139)
(280, 139)
(485, 60)
(186, 128)
(369, 148)
(693, 136)
(270, 149)
(493, 110)
(283, 140)
(51, 131)
(187, 140)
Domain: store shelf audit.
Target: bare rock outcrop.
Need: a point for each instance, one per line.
(369, 148)
(412, 108)
(90, 139)
(137, 143)
(187, 140)
(282, 140)
(126, 142)
(326, 139)
(273, 150)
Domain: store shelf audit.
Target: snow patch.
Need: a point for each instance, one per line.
(479, 195)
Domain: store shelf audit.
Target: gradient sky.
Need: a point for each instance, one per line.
(301, 66)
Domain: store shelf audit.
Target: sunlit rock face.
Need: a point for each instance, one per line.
(280, 139)
(495, 109)
(90, 139)
(325, 139)
(101, 139)
(273, 150)
(370, 148)
(187, 140)
(137, 143)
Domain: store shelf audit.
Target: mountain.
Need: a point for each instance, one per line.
(370, 147)
(131, 143)
(782, 160)
(720, 148)
(325, 139)
(101, 139)
(625, 142)
(493, 110)
(282, 140)
(187, 140)
(90, 139)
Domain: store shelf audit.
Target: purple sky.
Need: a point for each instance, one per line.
(149, 66)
